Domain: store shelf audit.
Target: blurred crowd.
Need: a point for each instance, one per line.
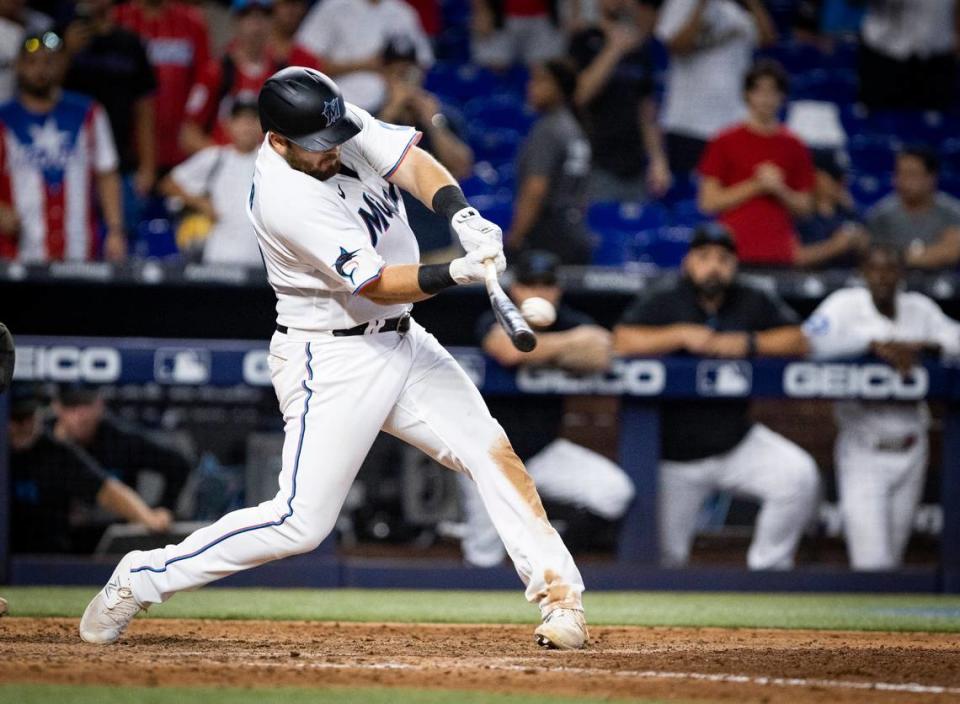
(603, 131)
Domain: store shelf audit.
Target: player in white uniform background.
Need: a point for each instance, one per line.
(347, 360)
(882, 447)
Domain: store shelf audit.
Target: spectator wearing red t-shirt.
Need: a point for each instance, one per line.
(248, 61)
(287, 17)
(178, 47)
(757, 176)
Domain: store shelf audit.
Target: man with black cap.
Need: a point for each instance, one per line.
(347, 360)
(565, 472)
(122, 450)
(709, 445)
(49, 475)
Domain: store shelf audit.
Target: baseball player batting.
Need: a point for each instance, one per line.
(347, 360)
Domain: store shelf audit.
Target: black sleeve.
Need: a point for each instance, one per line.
(146, 78)
(132, 452)
(484, 323)
(773, 312)
(82, 478)
(648, 309)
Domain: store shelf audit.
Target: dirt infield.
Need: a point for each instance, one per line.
(729, 665)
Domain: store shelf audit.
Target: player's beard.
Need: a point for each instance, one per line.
(711, 288)
(329, 169)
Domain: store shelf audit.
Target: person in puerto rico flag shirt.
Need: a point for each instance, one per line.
(56, 155)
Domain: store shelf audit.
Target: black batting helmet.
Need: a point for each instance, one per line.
(306, 107)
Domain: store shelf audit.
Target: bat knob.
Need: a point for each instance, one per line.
(525, 341)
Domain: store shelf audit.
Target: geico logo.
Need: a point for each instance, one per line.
(98, 365)
(868, 381)
(638, 377)
(256, 371)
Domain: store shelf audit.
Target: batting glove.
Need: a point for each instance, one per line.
(471, 268)
(474, 230)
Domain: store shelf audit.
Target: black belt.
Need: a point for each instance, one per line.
(400, 325)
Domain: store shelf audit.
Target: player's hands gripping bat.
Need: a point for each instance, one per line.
(507, 314)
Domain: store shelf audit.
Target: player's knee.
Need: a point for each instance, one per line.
(618, 495)
(801, 478)
(306, 536)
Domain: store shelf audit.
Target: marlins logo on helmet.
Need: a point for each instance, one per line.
(331, 111)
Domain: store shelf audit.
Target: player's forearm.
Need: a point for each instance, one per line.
(398, 283)
(943, 253)
(650, 130)
(421, 175)
(646, 340)
(118, 498)
(497, 344)
(685, 41)
(766, 29)
(799, 204)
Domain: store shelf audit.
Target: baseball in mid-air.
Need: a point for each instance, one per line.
(538, 311)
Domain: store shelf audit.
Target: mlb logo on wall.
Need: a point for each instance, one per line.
(726, 378)
(181, 366)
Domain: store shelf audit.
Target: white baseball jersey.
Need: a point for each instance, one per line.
(323, 241)
(845, 324)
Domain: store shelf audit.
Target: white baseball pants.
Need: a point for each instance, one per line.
(879, 492)
(563, 472)
(765, 467)
(335, 394)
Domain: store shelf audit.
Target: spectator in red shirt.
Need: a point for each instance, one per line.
(248, 61)
(178, 47)
(287, 17)
(757, 176)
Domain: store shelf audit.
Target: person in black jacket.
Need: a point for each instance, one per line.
(123, 451)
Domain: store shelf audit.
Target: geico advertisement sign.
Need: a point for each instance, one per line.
(99, 365)
(637, 377)
(866, 381)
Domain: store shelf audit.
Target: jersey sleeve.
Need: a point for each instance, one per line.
(320, 233)
(713, 161)
(673, 15)
(104, 151)
(193, 175)
(830, 332)
(941, 329)
(802, 175)
(382, 144)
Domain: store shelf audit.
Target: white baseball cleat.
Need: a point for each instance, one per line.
(563, 629)
(113, 608)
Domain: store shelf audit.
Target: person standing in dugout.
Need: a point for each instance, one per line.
(347, 359)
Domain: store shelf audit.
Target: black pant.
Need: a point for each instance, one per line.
(914, 83)
(684, 153)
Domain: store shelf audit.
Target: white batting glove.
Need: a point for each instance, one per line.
(474, 230)
(471, 268)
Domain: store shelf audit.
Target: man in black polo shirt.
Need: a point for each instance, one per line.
(709, 445)
(48, 476)
(122, 450)
(564, 472)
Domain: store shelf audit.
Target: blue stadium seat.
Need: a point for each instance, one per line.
(458, 82)
(495, 145)
(614, 247)
(502, 110)
(669, 246)
(686, 214)
(867, 189)
(630, 216)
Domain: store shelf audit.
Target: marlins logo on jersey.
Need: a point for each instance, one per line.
(346, 264)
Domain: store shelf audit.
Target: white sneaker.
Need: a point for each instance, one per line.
(114, 606)
(563, 629)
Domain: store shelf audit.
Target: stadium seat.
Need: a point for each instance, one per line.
(501, 110)
(614, 246)
(670, 245)
(495, 145)
(630, 216)
(687, 214)
(458, 82)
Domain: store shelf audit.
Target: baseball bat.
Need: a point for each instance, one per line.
(507, 314)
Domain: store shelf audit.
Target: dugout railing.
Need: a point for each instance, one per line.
(640, 384)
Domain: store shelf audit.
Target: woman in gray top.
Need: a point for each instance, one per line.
(552, 171)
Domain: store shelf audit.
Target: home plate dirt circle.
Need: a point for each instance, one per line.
(735, 665)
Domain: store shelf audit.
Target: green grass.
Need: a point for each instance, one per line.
(44, 694)
(827, 611)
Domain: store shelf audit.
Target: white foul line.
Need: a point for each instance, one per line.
(909, 687)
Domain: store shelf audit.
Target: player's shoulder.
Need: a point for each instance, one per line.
(730, 133)
(850, 297)
(916, 301)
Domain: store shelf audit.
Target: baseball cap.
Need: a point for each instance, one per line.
(77, 394)
(713, 233)
(25, 399)
(399, 48)
(238, 7)
(536, 267)
(242, 102)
